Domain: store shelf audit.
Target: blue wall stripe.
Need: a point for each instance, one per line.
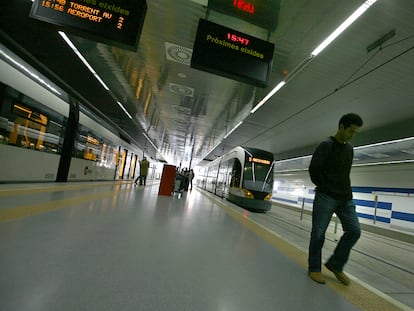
(403, 216)
(375, 189)
(378, 218)
(368, 203)
(310, 201)
(381, 205)
(382, 189)
(284, 200)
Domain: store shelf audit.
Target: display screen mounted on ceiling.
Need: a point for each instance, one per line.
(263, 13)
(115, 22)
(232, 54)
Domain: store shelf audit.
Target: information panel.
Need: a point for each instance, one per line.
(229, 53)
(117, 22)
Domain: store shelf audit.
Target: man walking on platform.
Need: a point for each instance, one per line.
(329, 171)
(143, 172)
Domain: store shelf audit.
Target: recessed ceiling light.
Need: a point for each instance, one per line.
(181, 89)
(178, 53)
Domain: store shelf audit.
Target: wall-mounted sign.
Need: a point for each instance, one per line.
(117, 22)
(227, 52)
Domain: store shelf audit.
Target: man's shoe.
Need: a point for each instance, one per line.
(339, 274)
(317, 277)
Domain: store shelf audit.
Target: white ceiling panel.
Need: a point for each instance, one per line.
(184, 110)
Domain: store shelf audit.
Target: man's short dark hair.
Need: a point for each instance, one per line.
(350, 118)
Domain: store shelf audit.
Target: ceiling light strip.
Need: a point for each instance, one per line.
(211, 150)
(30, 73)
(84, 61)
(267, 97)
(123, 108)
(233, 129)
(386, 143)
(149, 139)
(384, 163)
(352, 18)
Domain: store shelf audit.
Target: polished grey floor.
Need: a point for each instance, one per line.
(112, 246)
(380, 262)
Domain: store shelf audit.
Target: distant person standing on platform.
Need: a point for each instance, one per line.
(329, 170)
(190, 178)
(143, 172)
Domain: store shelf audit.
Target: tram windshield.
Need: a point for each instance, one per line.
(258, 174)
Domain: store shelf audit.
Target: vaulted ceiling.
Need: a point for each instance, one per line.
(187, 114)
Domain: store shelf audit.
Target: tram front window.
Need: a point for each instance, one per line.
(258, 177)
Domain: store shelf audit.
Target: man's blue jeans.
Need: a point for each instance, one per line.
(323, 208)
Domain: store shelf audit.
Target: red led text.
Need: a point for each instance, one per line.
(244, 6)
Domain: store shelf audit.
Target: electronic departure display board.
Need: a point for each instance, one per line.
(229, 53)
(263, 13)
(117, 22)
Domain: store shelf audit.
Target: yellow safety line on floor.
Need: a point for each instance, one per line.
(356, 293)
(13, 213)
(60, 187)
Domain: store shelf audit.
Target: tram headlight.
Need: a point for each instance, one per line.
(248, 194)
(268, 197)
